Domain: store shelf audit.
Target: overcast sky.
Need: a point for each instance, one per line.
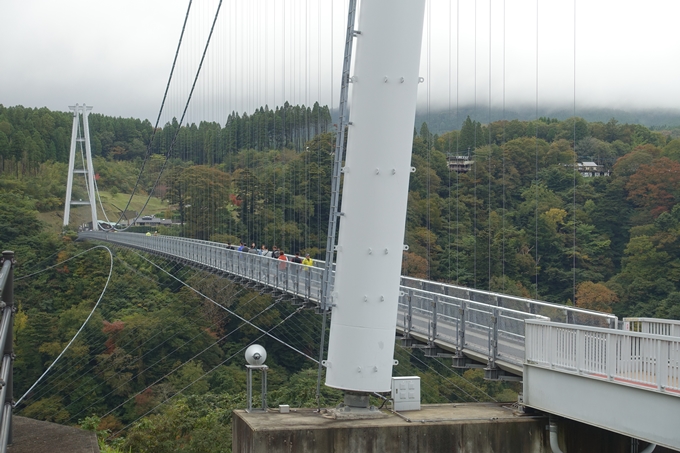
(116, 55)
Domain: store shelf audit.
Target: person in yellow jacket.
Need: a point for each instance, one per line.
(307, 261)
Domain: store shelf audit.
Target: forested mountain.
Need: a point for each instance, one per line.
(30, 136)
(522, 220)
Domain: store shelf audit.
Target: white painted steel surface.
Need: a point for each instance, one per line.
(669, 327)
(406, 393)
(631, 411)
(646, 361)
(627, 382)
(457, 319)
(78, 112)
(375, 192)
(89, 176)
(71, 159)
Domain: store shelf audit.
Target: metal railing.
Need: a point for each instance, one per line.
(556, 312)
(496, 332)
(629, 358)
(456, 318)
(668, 327)
(7, 347)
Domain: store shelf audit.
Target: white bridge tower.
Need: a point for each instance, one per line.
(85, 166)
(375, 191)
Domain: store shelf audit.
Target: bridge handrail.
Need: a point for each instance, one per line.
(637, 359)
(612, 320)
(431, 295)
(669, 327)
(7, 347)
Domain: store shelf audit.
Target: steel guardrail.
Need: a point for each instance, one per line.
(7, 347)
(642, 360)
(669, 327)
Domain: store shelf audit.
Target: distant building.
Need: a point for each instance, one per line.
(591, 170)
(460, 164)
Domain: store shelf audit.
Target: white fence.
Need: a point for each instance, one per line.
(631, 358)
(668, 327)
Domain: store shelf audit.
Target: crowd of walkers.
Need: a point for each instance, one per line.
(275, 253)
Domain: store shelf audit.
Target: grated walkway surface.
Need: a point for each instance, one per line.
(35, 436)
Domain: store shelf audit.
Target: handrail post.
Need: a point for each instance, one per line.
(434, 319)
(661, 367)
(409, 320)
(580, 350)
(297, 280)
(610, 357)
(494, 342)
(461, 332)
(8, 300)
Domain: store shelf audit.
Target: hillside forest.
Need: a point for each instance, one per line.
(159, 366)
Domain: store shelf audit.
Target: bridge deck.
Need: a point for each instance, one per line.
(580, 367)
(483, 326)
(627, 382)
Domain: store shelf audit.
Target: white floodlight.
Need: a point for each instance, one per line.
(256, 354)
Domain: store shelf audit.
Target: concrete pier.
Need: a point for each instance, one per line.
(469, 428)
(459, 428)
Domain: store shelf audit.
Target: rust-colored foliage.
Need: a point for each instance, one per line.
(656, 186)
(113, 329)
(144, 401)
(595, 296)
(414, 265)
(62, 256)
(235, 200)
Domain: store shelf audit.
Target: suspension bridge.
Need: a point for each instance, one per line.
(575, 363)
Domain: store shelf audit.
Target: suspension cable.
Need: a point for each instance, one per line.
(108, 279)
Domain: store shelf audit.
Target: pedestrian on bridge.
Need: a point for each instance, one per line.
(308, 262)
(282, 259)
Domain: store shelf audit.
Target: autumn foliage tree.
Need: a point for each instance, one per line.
(656, 186)
(595, 296)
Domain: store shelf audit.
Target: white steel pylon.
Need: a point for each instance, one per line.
(86, 169)
(377, 169)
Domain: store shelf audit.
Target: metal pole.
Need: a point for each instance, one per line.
(264, 388)
(90, 168)
(249, 391)
(335, 187)
(71, 164)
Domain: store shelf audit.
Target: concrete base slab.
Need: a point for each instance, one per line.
(35, 436)
(354, 413)
(464, 428)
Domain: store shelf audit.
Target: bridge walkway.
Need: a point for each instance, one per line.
(573, 362)
(464, 324)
